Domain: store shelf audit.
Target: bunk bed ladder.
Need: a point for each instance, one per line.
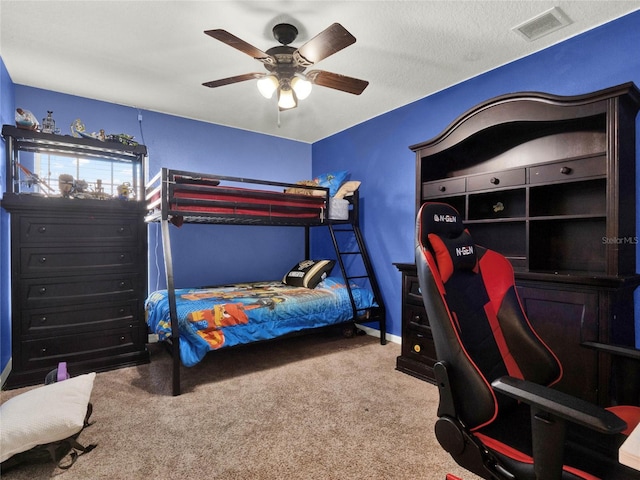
(379, 313)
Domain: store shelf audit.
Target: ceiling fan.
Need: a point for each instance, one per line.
(286, 65)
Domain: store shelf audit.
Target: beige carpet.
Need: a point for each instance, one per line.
(315, 407)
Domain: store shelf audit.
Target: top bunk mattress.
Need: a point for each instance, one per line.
(194, 198)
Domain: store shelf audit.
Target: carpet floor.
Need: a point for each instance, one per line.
(314, 407)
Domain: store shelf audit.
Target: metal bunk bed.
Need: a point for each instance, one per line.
(177, 196)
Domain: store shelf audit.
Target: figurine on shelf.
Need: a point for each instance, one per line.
(77, 128)
(25, 119)
(48, 123)
(124, 191)
(65, 184)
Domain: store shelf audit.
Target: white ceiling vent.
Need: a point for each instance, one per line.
(543, 24)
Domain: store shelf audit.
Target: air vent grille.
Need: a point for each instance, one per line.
(543, 24)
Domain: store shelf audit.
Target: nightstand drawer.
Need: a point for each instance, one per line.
(64, 320)
(38, 293)
(564, 171)
(443, 187)
(507, 178)
(419, 346)
(413, 294)
(79, 260)
(78, 230)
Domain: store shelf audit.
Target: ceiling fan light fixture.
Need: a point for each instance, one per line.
(286, 98)
(267, 85)
(301, 86)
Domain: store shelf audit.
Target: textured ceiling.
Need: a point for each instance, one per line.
(153, 55)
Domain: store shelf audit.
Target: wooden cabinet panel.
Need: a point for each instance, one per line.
(564, 318)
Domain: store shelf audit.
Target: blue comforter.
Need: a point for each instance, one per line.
(224, 316)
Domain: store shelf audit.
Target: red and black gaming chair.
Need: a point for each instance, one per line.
(497, 416)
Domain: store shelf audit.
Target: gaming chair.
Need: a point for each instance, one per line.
(497, 416)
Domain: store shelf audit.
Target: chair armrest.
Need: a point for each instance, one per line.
(617, 350)
(560, 404)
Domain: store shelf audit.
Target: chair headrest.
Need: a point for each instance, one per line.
(441, 219)
(440, 227)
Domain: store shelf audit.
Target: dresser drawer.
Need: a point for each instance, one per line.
(507, 178)
(78, 230)
(443, 187)
(38, 293)
(575, 169)
(64, 320)
(44, 260)
(41, 353)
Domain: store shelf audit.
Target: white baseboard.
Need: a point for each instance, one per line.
(376, 333)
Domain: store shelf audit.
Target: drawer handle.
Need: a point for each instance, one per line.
(42, 259)
(122, 256)
(43, 350)
(121, 230)
(442, 188)
(42, 229)
(565, 170)
(123, 339)
(494, 180)
(42, 290)
(121, 311)
(417, 348)
(416, 319)
(43, 319)
(122, 284)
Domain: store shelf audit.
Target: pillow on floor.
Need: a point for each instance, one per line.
(43, 415)
(308, 273)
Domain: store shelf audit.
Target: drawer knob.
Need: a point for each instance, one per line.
(42, 259)
(121, 230)
(43, 350)
(123, 339)
(43, 319)
(565, 170)
(42, 229)
(442, 188)
(122, 256)
(122, 284)
(121, 311)
(417, 348)
(42, 290)
(494, 180)
(416, 319)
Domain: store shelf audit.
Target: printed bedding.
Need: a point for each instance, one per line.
(212, 318)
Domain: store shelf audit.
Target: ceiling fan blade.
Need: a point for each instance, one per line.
(337, 81)
(230, 80)
(327, 42)
(244, 47)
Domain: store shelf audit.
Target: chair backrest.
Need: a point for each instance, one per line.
(479, 327)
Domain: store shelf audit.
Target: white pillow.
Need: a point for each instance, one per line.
(43, 415)
(347, 188)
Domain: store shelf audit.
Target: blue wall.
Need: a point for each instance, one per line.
(377, 152)
(7, 109)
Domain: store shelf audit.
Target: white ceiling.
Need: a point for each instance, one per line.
(153, 55)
